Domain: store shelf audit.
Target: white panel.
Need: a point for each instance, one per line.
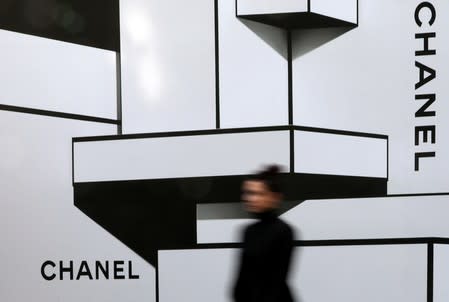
(364, 80)
(323, 153)
(253, 7)
(197, 275)
(253, 71)
(348, 273)
(359, 218)
(188, 156)
(220, 230)
(339, 9)
(386, 217)
(168, 65)
(51, 75)
(441, 273)
(361, 273)
(39, 221)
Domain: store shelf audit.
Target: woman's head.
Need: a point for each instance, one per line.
(262, 192)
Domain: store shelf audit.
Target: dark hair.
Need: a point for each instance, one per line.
(270, 176)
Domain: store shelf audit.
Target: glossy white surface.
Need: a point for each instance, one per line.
(46, 74)
(339, 9)
(440, 273)
(356, 218)
(329, 273)
(173, 157)
(253, 71)
(168, 65)
(335, 154)
(254, 7)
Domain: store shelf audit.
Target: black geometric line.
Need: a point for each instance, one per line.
(341, 132)
(227, 131)
(59, 114)
(118, 66)
(236, 9)
(73, 163)
(292, 151)
(290, 77)
(339, 242)
(290, 100)
(217, 67)
(182, 133)
(243, 176)
(157, 277)
(388, 159)
(387, 195)
(418, 194)
(430, 265)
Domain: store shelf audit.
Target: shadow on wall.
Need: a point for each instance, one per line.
(307, 40)
(270, 35)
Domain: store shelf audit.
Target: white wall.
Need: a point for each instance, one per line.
(441, 272)
(45, 74)
(364, 80)
(39, 221)
(253, 7)
(338, 273)
(184, 156)
(168, 65)
(253, 71)
(360, 80)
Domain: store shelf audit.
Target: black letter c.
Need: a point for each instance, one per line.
(51, 277)
(432, 11)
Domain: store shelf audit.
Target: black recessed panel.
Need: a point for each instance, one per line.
(87, 22)
(151, 215)
(298, 20)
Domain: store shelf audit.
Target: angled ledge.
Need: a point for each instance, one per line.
(295, 14)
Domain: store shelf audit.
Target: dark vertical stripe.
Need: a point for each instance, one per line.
(217, 69)
(290, 77)
(388, 158)
(357, 12)
(308, 6)
(292, 150)
(236, 9)
(118, 65)
(430, 272)
(290, 100)
(73, 164)
(156, 267)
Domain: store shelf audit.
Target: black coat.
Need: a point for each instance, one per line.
(264, 262)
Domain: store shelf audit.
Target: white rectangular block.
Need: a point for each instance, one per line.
(220, 230)
(253, 71)
(371, 218)
(334, 154)
(168, 65)
(361, 273)
(46, 74)
(183, 156)
(357, 218)
(197, 275)
(254, 7)
(441, 273)
(330, 273)
(339, 9)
